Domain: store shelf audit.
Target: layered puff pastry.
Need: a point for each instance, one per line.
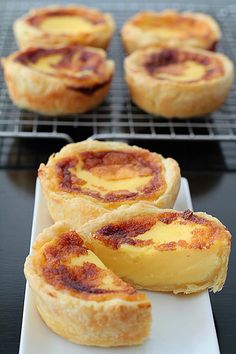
(161, 249)
(64, 25)
(178, 82)
(58, 81)
(87, 179)
(170, 27)
(79, 298)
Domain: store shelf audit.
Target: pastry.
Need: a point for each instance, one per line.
(64, 25)
(79, 298)
(161, 249)
(178, 82)
(90, 178)
(170, 27)
(57, 81)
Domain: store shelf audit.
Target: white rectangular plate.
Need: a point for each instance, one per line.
(181, 324)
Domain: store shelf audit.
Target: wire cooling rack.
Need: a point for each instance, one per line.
(118, 117)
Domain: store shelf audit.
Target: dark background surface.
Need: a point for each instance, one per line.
(209, 167)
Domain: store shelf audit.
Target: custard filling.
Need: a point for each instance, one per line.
(103, 185)
(112, 176)
(66, 20)
(188, 71)
(47, 63)
(66, 25)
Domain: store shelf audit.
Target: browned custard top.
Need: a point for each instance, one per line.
(93, 16)
(181, 65)
(173, 25)
(84, 69)
(86, 280)
(112, 167)
(115, 234)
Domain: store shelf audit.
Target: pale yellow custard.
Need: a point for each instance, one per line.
(103, 184)
(47, 63)
(66, 25)
(189, 71)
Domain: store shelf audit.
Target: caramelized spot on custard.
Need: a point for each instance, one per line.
(118, 164)
(202, 238)
(171, 61)
(84, 280)
(74, 60)
(169, 246)
(73, 57)
(163, 58)
(68, 180)
(183, 218)
(68, 244)
(116, 234)
(95, 18)
(213, 46)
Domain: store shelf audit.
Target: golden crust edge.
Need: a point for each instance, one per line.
(173, 180)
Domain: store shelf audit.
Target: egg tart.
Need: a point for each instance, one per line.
(161, 249)
(57, 81)
(90, 178)
(170, 27)
(79, 298)
(178, 82)
(64, 25)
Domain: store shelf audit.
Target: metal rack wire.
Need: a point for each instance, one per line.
(118, 117)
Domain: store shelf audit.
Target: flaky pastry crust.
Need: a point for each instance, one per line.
(154, 74)
(186, 28)
(114, 321)
(66, 203)
(28, 32)
(64, 87)
(190, 257)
